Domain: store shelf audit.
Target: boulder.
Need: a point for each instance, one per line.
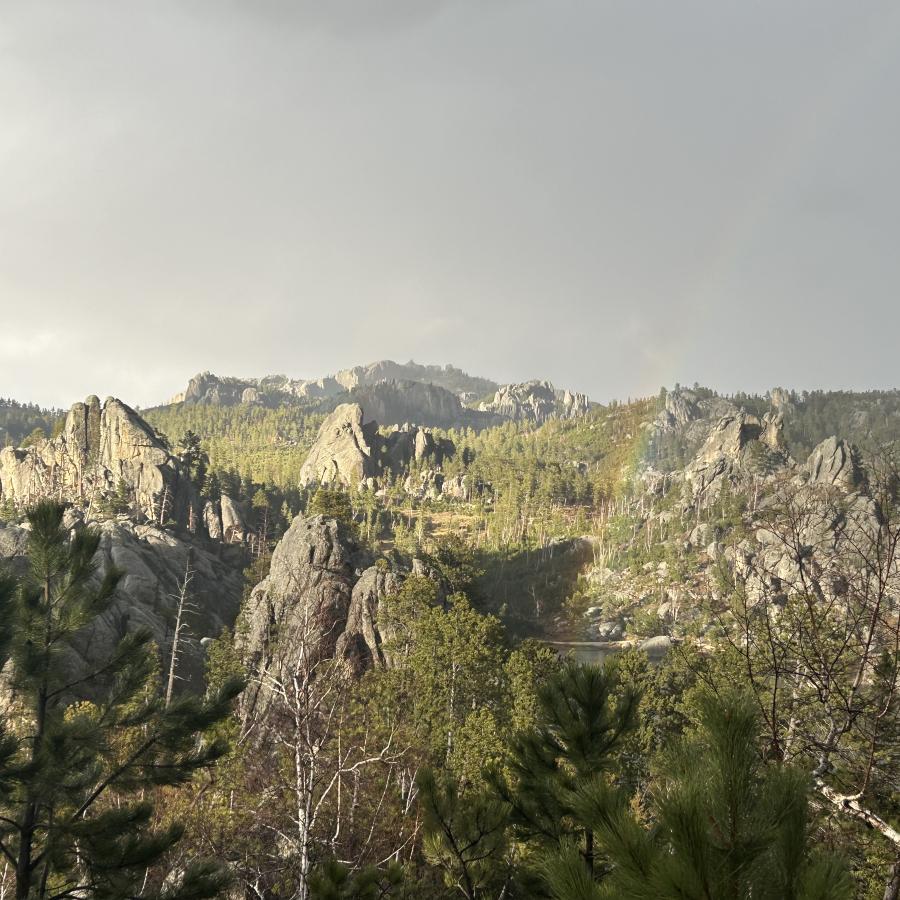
(610, 631)
(656, 647)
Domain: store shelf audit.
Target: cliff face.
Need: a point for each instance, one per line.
(217, 390)
(322, 597)
(447, 377)
(401, 401)
(536, 402)
(350, 451)
(154, 562)
(100, 450)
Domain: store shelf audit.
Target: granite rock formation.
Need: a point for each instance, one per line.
(535, 402)
(102, 450)
(350, 451)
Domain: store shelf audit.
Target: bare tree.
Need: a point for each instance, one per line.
(319, 753)
(812, 615)
(181, 609)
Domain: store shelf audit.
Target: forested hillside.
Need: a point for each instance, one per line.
(22, 423)
(410, 609)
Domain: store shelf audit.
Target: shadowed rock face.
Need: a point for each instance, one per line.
(398, 402)
(362, 642)
(99, 449)
(835, 462)
(153, 561)
(323, 597)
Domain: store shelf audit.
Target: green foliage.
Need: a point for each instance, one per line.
(334, 881)
(194, 458)
(263, 445)
(726, 824)
(456, 562)
(448, 678)
(466, 837)
(23, 424)
(585, 715)
(74, 776)
(333, 504)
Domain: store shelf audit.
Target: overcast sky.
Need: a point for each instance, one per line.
(611, 195)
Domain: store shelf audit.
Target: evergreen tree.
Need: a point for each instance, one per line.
(335, 881)
(584, 716)
(75, 776)
(726, 826)
(333, 504)
(466, 837)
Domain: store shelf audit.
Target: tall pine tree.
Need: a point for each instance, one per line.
(75, 777)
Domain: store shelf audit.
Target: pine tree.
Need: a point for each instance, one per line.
(466, 836)
(333, 504)
(725, 826)
(335, 881)
(584, 717)
(75, 776)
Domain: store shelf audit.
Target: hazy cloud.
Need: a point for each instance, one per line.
(612, 195)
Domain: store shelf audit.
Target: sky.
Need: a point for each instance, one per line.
(613, 196)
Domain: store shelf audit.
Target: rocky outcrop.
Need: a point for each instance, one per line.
(154, 562)
(396, 402)
(458, 487)
(692, 416)
(409, 444)
(272, 390)
(224, 521)
(447, 377)
(532, 401)
(214, 390)
(573, 405)
(427, 486)
(535, 402)
(773, 431)
(102, 451)
(350, 451)
(314, 388)
(362, 643)
(835, 462)
(681, 408)
(301, 606)
(275, 390)
(323, 598)
(738, 444)
(344, 450)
